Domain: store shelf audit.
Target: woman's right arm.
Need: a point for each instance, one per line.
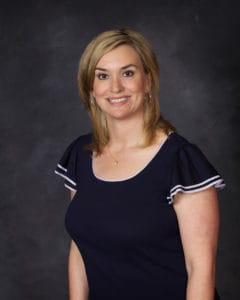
(78, 285)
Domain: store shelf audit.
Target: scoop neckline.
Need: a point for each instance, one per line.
(141, 170)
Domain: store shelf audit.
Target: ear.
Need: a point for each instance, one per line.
(148, 83)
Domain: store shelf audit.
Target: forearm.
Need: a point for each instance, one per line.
(78, 286)
(201, 285)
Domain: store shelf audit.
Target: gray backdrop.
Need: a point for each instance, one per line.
(197, 44)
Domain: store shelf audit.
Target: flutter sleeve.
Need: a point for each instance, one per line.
(192, 172)
(67, 166)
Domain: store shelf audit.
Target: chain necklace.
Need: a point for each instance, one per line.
(115, 161)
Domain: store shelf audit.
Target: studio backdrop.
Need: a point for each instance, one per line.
(198, 49)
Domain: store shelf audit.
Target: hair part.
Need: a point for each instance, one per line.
(100, 45)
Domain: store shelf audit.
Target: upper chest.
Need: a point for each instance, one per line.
(121, 165)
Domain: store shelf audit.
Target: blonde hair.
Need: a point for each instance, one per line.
(100, 45)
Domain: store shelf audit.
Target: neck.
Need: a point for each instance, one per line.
(125, 134)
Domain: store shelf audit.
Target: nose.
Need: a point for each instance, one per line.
(116, 85)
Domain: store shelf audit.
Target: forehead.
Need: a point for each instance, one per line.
(118, 57)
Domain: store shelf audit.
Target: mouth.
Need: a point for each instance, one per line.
(118, 100)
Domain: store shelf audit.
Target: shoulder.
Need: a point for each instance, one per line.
(178, 143)
(76, 149)
(187, 152)
(81, 142)
(181, 144)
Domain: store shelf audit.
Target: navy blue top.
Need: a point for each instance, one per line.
(127, 230)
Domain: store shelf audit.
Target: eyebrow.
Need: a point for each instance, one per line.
(123, 68)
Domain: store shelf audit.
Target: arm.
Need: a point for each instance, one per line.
(198, 218)
(78, 285)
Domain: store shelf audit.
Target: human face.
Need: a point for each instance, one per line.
(120, 84)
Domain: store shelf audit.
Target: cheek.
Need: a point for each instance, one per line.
(139, 86)
(99, 89)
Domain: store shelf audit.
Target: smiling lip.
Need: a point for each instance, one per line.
(118, 100)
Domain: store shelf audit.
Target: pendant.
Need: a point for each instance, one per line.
(115, 162)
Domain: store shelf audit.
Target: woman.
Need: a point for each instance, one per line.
(144, 212)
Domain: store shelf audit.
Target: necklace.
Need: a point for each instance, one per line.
(115, 161)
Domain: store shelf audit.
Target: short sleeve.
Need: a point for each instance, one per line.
(67, 167)
(192, 172)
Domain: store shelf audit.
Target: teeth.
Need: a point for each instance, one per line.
(118, 100)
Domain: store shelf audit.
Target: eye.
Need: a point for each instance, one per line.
(128, 73)
(102, 76)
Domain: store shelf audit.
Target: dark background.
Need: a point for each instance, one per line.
(198, 47)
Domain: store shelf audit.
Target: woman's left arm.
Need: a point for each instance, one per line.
(198, 218)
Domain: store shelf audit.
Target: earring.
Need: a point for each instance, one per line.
(148, 97)
(92, 100)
